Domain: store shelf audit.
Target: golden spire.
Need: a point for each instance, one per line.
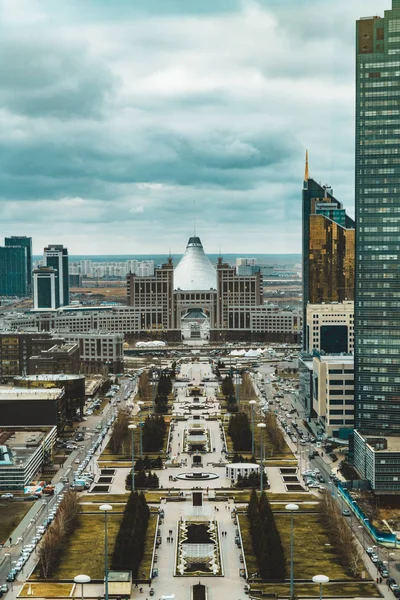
(306, 174)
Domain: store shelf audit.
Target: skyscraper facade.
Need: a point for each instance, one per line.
(328, 249)
(56, 257)
(45, 288)
(377, 197)
(13, 271)
(24, 242)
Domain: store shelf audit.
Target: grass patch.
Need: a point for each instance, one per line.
(355, 589)
(311, 554)
(85, 548)
(12, 514)
(46, 590)
(251, 562)
(292, 497)
(105, 498)
(145, 565)
(115, 464)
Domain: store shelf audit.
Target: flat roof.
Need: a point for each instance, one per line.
(21, 443)
(48, 377)
(19, 393)
(346, 359)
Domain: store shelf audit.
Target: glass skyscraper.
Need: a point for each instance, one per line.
(25, 242)
(56, 256)
(377, 197)
(328, 249)
(13, 271)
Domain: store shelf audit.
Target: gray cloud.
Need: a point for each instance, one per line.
(114, 117)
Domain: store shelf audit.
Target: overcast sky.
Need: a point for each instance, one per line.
(116, 115)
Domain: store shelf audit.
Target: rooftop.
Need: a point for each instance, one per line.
(8, 392)
(48, 377)
(18, 445)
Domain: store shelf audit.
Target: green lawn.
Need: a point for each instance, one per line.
(12, 514)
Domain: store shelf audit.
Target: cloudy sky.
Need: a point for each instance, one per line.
(116, 115)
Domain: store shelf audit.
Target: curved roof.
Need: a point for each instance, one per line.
(194, 271)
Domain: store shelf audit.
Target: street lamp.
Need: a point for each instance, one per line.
(320, 579)
(262, 426)
(132, 428)
(82, 579)
(139, 403)
(105, 508)
(292, 509)
(252, 403)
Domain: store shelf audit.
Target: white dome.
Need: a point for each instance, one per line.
(194, 271)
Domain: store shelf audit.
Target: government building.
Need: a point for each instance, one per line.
(196, 300)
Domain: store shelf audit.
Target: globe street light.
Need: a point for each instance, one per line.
(105, 508)
(320, 579)
(82, 579)
(292, 509)
(262, 426)
(252, 403)
(140, 404)
(132, 427)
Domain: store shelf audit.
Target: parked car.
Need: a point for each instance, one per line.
(374, 557)
(392, 583)
(346, 512)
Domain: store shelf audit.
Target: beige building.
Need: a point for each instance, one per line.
(330, 327)
(333, 392)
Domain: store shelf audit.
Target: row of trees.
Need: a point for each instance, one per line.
(240, 432)
(143, 480)
(274, 433)
(63, 526)
(154, 430)
(266, 541)
(119, 441)
(129, 545)
(340, 534)
(164, 386)
(144, 387)
(251, 481)
(146, 463)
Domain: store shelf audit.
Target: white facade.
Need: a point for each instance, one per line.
(44, 277)
(233, 470)
(333, 392)
(272, 319)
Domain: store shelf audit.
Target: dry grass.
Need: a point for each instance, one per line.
(46, 590)
(12, 514)
(85, 548)
(355, 589)
(105, 498)
(313, 552)
(145, 565)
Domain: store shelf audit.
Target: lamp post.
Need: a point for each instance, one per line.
(140, 403)
(262, 426)
(292, 509)
(132, 428)
(321, 579)
(82, 579)
(105, 508)
(252, 403)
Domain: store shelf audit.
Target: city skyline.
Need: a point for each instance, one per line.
(140, 111)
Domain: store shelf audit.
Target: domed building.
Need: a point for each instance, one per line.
(196, 300)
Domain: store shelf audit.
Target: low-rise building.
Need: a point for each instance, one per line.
(62, 357)
(21, 407)
(23, 453)
(377, 459)
(333, 393)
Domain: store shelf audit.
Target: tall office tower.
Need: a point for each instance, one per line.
(377, 196)
(13, 271)
(45, 288)
(56, 256)
(328, 248)
(24, 242)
